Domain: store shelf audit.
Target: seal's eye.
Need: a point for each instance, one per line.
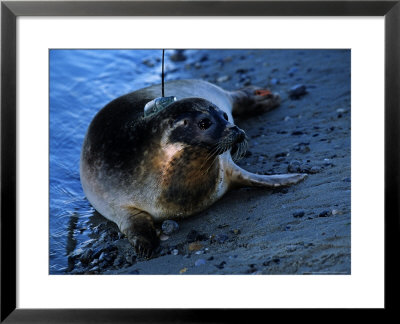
(225, 116)
(204, 123)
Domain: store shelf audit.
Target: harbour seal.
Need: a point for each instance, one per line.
(136, 169)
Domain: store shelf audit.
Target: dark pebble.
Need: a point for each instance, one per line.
(221, 265)
(222, 225)
(130, 259)
(297, 133)
(281, 154)
(178, 56)
(294, 166)
(297, 91)
(251, 270)
(194, 236)
(97, 252)
(148, 63)
(281, 190)
(86, 257)
(298, 214)
(270, 260)
(241, 71)
(325, 213)
(204, 58)
(346, 179)
(292, 71)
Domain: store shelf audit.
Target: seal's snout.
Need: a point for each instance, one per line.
(237, 134)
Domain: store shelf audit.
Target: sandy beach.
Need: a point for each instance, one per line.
(303, 229)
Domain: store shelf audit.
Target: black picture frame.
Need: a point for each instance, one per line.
(10, 10)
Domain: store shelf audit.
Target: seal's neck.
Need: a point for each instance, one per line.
(189, 175)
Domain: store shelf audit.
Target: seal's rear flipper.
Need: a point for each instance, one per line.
(139, 228)
(253, 100)
(243, 178)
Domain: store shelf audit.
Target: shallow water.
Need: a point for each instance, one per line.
(81, 83)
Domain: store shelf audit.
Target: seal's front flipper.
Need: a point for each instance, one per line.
(253, 100)
(243, 178)
(139, 228)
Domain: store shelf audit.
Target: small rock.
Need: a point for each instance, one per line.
(164, 237)
(241, 71)
(195, 246)
(292, 71)
(86, 257)
(193, 236)
(174, 252)
(347, 179)
(204, 58)
(294, 166)
(221, 265)
(297, 133)
(178, 56)
(95, 268)
(148, 63)
(274, 81)
(324, 213)
(340, 110)
(183, 270)
(169, 226)
(200, 262)
(299, 214)
(223, 79)
(130, 259)
(222, 225)
(297, 91)
(102, 256)
(314, 169)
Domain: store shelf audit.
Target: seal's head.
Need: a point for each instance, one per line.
(196, 122)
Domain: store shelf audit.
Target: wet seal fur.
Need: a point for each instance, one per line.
(138, 169)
